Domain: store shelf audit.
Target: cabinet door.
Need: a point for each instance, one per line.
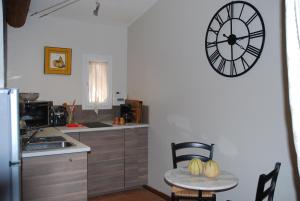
(105, 161)
(76, 136)
(136, 157)
(55, 178)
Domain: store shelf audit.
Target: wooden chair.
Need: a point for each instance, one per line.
(263, 193)
(187, 194)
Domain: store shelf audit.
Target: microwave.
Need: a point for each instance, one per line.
(36, 114)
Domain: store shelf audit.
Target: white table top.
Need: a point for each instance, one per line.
(182, 178)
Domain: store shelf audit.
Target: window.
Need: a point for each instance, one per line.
(97, 77)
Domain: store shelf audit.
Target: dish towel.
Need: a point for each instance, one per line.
(292, 20)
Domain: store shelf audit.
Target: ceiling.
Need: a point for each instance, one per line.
(111, 12)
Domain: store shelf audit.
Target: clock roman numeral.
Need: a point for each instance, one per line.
(211, 44)
(219, 20)
(229, 10)
(214, 31)
(221, 66)
(251, 18)
(232, 68)
(241, 11)
(257, 34)
(214, 57)
(253, 50)
(245, 64)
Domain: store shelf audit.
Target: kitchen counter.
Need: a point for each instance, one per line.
(65, 129)
(51, 131)
(78, 146)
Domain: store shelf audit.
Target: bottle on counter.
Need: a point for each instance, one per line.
(122, 121)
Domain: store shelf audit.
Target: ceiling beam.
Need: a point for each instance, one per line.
(16, 12)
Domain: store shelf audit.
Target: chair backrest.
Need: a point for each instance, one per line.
(261, 192)
(185, 157)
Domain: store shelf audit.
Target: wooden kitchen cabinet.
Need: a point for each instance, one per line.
(105, 161)
(55, 178)
(136, 157)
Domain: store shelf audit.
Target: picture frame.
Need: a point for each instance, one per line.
(57, 60)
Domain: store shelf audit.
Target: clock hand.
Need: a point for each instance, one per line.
(231, 26)
(226, 36)
(240, 46)
(222, 41)
(231, 52)
(238, 38)
(243, 37)
(231, 21)
(215, 42)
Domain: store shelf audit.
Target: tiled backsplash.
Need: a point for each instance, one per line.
(103, 115)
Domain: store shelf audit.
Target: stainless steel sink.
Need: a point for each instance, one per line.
(47, 139)
(46, 146)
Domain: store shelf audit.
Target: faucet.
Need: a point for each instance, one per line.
(32, 136)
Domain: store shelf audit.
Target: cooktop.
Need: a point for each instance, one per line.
(95, 124)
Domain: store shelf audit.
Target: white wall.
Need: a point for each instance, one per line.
(188, 100)
(2, 70)
(26, 56)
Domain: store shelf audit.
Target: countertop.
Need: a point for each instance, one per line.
(51, 131)
(65, 129)
(78, 146)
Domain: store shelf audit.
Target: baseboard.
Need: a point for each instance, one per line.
(156, 192)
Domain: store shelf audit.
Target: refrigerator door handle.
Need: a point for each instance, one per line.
(14, 163)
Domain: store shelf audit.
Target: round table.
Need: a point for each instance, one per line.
(182, 178)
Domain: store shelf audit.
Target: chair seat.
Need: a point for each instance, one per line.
(190, 193)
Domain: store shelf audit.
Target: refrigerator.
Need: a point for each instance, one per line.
(10, 155)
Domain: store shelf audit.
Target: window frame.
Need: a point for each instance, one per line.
(85, 72)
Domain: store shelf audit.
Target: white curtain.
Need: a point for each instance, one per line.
(98, 84)
(292, 15)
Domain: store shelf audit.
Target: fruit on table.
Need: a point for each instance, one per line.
(211, 169)
(195, 166)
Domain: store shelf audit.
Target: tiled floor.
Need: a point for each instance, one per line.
(133, 195)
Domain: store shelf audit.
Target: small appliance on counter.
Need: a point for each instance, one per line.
(131, 111)
(35, 113)
(126, 112)
(58, 116)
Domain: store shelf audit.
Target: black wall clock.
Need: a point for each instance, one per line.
(235, 38)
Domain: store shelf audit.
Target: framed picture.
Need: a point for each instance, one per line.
(58, 60)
